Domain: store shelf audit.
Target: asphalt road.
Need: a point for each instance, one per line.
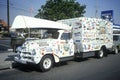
(107, 68)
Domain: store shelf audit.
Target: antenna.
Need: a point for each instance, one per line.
(96, 8)
(31, 10)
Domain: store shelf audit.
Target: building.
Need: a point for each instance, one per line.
(3, 25)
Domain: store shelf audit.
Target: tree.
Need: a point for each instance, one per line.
(61, 9)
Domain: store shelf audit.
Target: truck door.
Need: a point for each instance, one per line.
(66, 45)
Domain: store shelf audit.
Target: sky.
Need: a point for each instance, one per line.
(30, 8)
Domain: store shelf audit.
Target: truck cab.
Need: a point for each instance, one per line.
(55, 43)
(55, 46)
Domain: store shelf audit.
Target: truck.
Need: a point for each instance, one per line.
(116, 40)
(116, 32)
(63, 40)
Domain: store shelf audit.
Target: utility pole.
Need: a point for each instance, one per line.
(8, 16)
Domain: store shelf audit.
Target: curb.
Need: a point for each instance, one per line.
(7, 60)
(6, 66)
(11, 65)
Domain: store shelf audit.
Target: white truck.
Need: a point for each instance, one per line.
(61, 42)
(116, 41)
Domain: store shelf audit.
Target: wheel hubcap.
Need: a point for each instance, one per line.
(101, 53)
(47, 63)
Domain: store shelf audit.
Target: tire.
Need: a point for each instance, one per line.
(46, 63)
(100, 53)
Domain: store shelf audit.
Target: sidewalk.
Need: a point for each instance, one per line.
(6, 59)
(6, 56)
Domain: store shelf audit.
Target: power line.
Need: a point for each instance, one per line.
(17, 8)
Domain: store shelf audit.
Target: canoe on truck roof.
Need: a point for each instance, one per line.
(31, 22)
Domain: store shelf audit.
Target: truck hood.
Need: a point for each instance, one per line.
(37, 44)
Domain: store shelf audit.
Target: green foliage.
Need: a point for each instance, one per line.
(61, 9)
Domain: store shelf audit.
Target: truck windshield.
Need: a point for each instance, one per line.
(36, 33)
(50, 34)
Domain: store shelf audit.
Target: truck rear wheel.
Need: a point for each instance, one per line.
(102, 52)
(46, 63)
(99, 54)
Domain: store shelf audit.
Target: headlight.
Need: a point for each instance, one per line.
(33, 52)
(18, 48)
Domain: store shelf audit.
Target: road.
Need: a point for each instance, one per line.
(107, 68)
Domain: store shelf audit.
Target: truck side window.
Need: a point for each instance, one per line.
(115, 38)
(66, 36)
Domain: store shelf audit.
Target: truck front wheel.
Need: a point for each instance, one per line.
(46, 63)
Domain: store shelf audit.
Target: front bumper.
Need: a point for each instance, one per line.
(26, 58)
(17, 59)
